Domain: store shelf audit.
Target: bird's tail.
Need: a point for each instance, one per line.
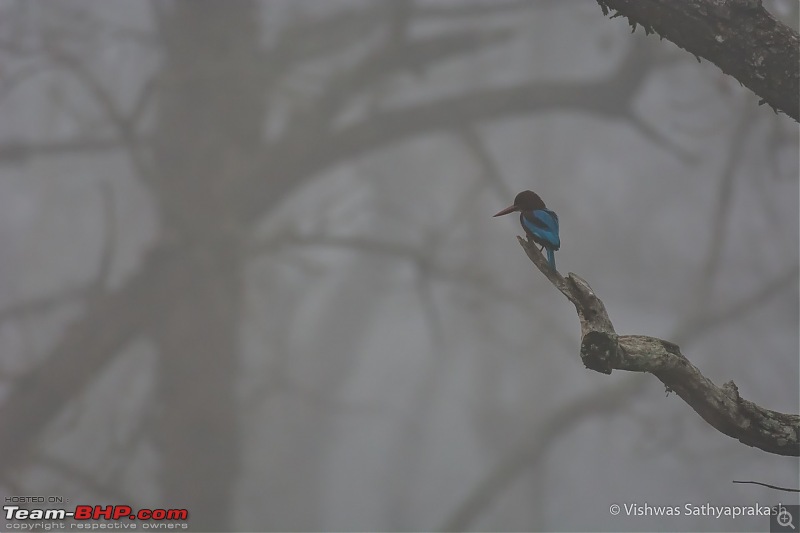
(551, 257)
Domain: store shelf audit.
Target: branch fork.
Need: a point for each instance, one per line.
(602, 350)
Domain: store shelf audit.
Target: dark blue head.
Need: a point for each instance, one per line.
(524, 201)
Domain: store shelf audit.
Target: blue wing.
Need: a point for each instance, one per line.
(543, 224)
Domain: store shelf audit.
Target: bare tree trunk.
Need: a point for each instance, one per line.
(210, 113)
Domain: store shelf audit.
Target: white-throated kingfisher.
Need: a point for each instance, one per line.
(539, 223)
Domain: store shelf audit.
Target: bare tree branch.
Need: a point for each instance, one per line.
(110, 226)
(610, 97)
(605, 400)
(394, 58)
(490, 171)
(603, 350)
(724, 200)
(784, 489)
(495, 7)
(311, 38)
(736, 309)
(93, 289)
(83, 478)
(39, 305)
(424, 261)
(658, 138)
(19, 151)
(125, 125)
(739, 36)
(88, 345)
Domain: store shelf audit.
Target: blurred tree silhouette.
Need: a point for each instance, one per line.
(220, 139)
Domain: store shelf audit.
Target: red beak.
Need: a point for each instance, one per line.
(507, 210)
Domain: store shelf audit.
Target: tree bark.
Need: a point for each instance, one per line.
(739, 36)
(603, 350)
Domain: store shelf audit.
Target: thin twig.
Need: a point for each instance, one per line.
(784, 489)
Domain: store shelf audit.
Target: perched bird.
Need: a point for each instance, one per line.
(539, 223)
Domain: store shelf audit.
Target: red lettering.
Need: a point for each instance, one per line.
(83, 512)
(120, 511)
(177, 514)
(106, 513)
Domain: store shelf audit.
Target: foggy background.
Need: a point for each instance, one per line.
(248, 264)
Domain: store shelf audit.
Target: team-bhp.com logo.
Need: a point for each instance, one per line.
(94, 512)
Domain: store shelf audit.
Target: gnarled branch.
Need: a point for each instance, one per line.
(722, 407)
(739, 36)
